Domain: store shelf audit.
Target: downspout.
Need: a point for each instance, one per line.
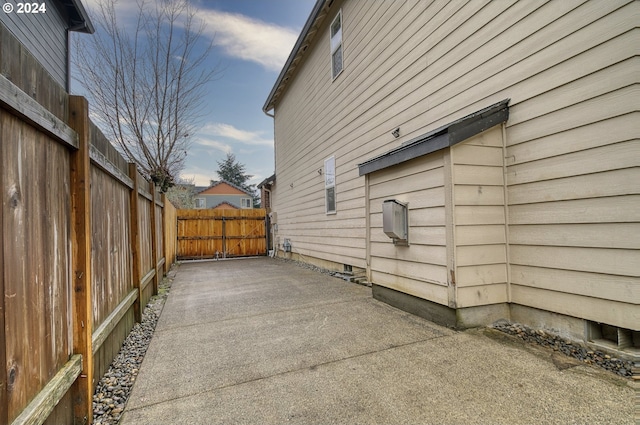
(506, 212)
(367, 220)
(272, 225)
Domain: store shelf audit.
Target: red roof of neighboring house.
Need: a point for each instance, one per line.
(223, 188)
(225, 206)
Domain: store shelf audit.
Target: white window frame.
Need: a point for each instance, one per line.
(336, 44)
(330, 184)
(204, 203)
(246, 203)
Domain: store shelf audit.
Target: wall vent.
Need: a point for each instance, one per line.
(626, 340)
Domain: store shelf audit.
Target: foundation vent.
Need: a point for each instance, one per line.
(626, 340)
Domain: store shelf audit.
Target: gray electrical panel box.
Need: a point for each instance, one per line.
(395, 221)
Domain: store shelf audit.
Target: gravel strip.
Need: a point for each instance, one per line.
(304, 265)
(333, 273)
(540, 337)
(112, 392)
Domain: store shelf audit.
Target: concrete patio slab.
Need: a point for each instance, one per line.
(263, 341)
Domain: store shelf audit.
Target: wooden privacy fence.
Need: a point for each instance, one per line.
(221, 233)
(85, 240)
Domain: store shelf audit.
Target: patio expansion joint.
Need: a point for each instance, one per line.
(287, 372)
(266, 313)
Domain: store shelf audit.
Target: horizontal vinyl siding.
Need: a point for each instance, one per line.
(419, 269)
(308, 138)
(573, 167)
(45, 36)
(214, 200)
(479, 220)
(569, 69)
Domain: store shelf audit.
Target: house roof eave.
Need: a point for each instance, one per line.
(228, 183)
(298, 51)
(225, 203)
(268, 181)
(77, 16)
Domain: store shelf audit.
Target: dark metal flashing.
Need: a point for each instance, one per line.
(440, 138)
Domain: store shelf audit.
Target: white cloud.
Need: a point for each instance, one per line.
(249, 39)
(238, 35)
(230, 132)
(199, 179)
(211, 143)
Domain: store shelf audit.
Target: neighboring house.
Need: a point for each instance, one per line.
(43, 28)
(265, 191)
(223, 195)
(507, 132)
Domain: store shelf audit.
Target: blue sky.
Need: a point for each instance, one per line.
(252, 39)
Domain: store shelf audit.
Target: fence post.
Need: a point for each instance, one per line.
(81, 254)
(4, 406)
(154, 236)
(165, 267)
(135, 241)
(167, 252)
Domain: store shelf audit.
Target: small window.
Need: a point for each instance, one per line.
(336, 45)
(246, 202)
(330, 185)
(201, 203)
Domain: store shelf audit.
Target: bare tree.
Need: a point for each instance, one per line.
(147, 84)
(182, 194)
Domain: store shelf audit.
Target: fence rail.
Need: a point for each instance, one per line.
(85, 240)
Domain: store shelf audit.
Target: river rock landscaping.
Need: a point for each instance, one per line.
(588, 356)
(112, 392)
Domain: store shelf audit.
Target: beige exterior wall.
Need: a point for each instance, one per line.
(457, 253)
(572, 147)
(479, 220)
(572, 174)
(420, 269)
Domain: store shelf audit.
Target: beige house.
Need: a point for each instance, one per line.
(505, 133)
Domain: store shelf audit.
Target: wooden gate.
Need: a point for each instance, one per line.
(221, 233)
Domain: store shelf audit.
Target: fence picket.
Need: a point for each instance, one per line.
(221, 233)
(69, 209)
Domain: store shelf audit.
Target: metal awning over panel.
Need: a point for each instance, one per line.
(440, 138)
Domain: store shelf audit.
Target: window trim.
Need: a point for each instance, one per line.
(204, 202)
(248, 203)
(336, 44)
(330, 183)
